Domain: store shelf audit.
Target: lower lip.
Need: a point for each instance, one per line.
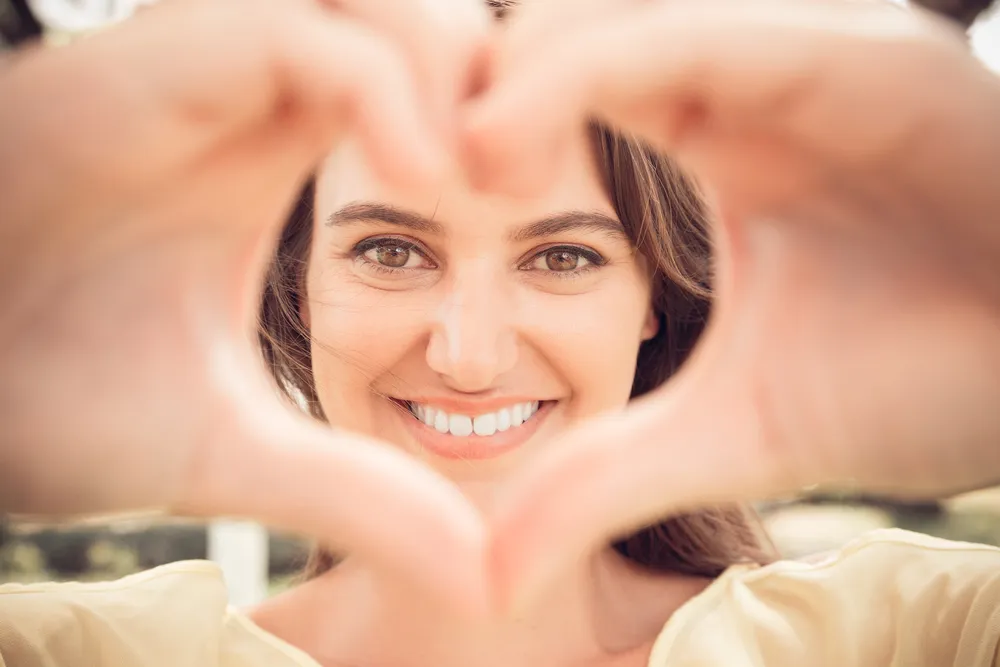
(475, 447)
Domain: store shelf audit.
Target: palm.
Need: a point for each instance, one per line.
(850, 319)
(131, 315)
(855, 352)
(847, 315)
(172, 289)
(166, 206)
(854, 335)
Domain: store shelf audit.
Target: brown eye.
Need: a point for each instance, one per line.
(393, 256)
(566, 260)
(562, 260)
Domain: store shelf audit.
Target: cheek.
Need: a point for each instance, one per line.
(358, 334)
(592, 340)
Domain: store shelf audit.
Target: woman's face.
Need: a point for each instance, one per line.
(470, 329)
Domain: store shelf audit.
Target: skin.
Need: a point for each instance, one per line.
(477, 318)
(468, 322)
(855, 337)
(129, 298)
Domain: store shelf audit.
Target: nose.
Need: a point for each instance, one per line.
(472, 341)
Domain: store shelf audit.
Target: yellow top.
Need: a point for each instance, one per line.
(890, 599)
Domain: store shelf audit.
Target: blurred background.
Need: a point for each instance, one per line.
(257, 563)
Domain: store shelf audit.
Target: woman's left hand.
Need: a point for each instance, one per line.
(853, 155)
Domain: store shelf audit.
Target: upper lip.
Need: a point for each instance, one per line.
(471, 408)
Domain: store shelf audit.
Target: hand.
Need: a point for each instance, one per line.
(852, 151)
(147, 171)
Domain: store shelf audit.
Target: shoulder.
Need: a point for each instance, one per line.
(865, 563)
(891, 597)
(170, 615)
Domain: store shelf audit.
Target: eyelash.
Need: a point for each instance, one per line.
(594, 259)
(364, 246)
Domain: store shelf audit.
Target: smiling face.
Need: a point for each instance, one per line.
(407, 317)
(470, 329)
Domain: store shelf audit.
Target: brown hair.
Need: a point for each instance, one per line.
(664, 215)
(965, 12)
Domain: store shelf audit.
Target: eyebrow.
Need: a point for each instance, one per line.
(590, 221)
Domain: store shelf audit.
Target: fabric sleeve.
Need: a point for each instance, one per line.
(893, 598)
(168, 616)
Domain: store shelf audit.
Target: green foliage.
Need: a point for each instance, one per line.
(22, 559)
(112, 559)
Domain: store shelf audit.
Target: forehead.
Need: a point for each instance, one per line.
(347, 177)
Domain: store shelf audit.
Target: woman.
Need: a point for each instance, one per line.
(390, 312)
(470, 330)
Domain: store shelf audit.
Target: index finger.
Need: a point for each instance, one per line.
(443, 37)
(675, 71)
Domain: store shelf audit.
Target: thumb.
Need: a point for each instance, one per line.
(269, 463)
(693, 443)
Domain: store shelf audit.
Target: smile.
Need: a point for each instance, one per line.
(468, 431)
(483, 425)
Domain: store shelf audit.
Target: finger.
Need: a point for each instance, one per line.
(363, 498)
(525, 25)
(700, 441)
(357, 495)
(673, 72)
(174, 84)
(533, 22)
(444, 39)
(383, 102)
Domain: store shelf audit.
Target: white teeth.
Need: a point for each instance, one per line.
(460, 425)
(441, 421)
(503, 419)
(483, 425)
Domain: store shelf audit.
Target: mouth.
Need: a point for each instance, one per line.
(474, 434)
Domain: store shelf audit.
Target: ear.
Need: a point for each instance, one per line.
(651, 326)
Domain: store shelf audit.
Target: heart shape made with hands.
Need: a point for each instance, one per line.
(839, 346)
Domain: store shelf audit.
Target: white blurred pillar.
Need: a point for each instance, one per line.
(240, 549)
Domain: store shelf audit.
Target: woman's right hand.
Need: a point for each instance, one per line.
(146, 172)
